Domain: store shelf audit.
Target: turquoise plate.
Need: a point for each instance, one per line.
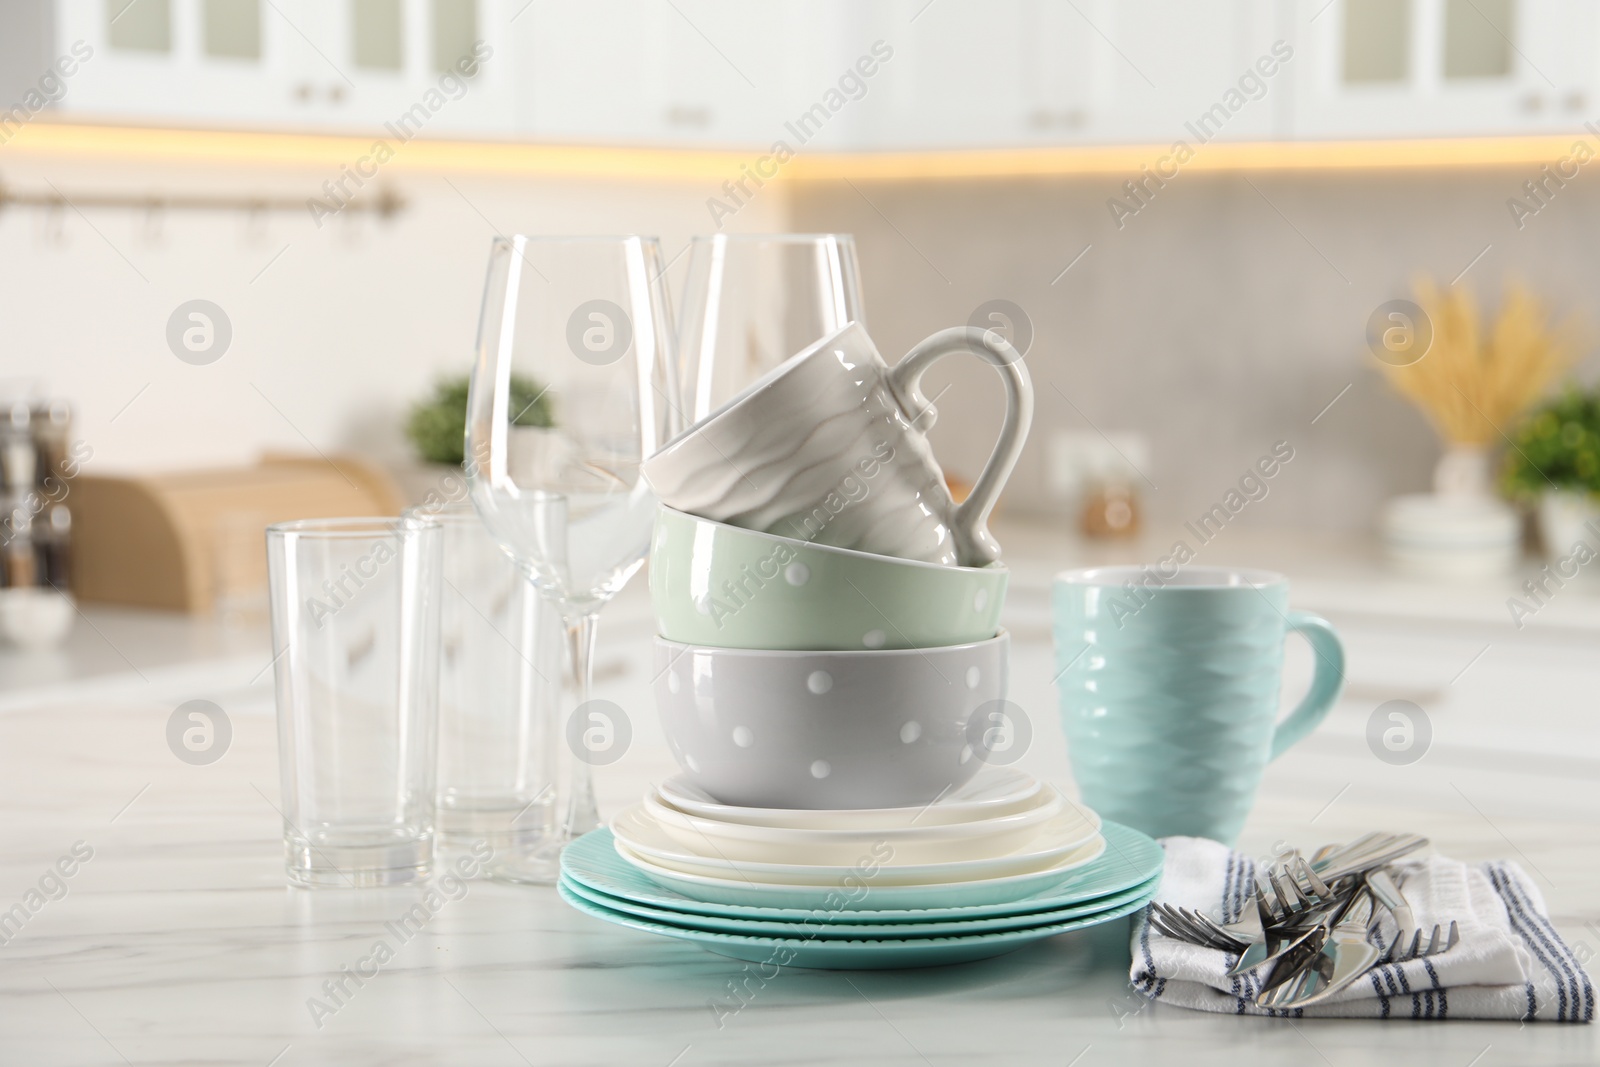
(1130, 860)
(854, 955)
(818, 928)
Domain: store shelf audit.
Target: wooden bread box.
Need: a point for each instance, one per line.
(177, 540)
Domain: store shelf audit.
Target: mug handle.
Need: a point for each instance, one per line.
(969, 523)
(1325, 683)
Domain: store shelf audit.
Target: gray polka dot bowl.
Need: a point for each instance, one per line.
(715, 584)
(866, 728)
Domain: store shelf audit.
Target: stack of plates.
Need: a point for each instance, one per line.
(999, 863)
(1443, 536)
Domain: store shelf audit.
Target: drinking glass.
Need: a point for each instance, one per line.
(499, 690)
(751, 301)
(573, 388)
(355, 624)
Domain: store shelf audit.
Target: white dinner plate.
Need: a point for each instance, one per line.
(866, 890)
(992, 791)
(939, 843)
(639, 831)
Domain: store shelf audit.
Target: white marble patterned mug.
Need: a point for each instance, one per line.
(831, 447)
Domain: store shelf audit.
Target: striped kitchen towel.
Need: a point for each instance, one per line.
(1509, 964)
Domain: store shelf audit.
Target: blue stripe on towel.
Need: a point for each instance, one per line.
(1233, 902)
(1582, 989)
(1377, 987)
(1146, 982)
(1396, 974)
(1247, 886)
(1444, 999)
(1230, 880)
(1525, 919)
(1534, 938)
(1152, 985)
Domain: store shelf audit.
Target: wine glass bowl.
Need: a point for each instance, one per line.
(583, 323)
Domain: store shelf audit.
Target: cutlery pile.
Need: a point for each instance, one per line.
(1318, 927)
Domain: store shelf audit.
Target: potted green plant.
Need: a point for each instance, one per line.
(1555, 464)
(437, 426)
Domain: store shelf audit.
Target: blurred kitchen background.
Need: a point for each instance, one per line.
(327, 175)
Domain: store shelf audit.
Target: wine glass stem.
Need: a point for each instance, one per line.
(582, 813)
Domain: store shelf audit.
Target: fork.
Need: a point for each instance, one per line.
(1306, 873)
(1438, 942)
(1185, 924)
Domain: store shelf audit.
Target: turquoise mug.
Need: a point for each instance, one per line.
(1169, 691)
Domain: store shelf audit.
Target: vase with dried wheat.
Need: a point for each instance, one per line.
(1472, 383)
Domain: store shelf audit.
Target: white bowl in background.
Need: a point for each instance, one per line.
(35, 618)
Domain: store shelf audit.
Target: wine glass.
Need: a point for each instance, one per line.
(753, 300)
(573, 388)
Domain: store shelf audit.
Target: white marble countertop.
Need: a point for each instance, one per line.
(178, 942)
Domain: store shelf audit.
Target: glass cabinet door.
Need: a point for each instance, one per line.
(1391, 68)
(342, 65)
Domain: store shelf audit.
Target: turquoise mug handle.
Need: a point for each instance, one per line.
(1325, 683)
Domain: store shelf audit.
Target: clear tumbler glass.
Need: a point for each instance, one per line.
(355, 629)
(499, 692)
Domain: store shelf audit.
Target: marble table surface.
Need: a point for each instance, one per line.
(177, 942)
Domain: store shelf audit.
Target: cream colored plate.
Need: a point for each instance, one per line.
(881, 878)
(643, 835)
(984, 838)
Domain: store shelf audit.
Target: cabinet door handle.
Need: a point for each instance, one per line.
(685, 115)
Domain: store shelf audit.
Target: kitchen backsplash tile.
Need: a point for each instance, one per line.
(1224, 317)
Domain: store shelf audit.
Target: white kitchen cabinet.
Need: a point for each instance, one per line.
(694, 72)
(955, 76)
(1195, 72)
(1041, 72)
(1434, 68)
(350, 65)
(999, 74)
(948, 74)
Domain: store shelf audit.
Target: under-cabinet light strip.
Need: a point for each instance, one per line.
(330, 153)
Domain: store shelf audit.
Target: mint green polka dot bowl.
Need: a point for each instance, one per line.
(723, 586)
